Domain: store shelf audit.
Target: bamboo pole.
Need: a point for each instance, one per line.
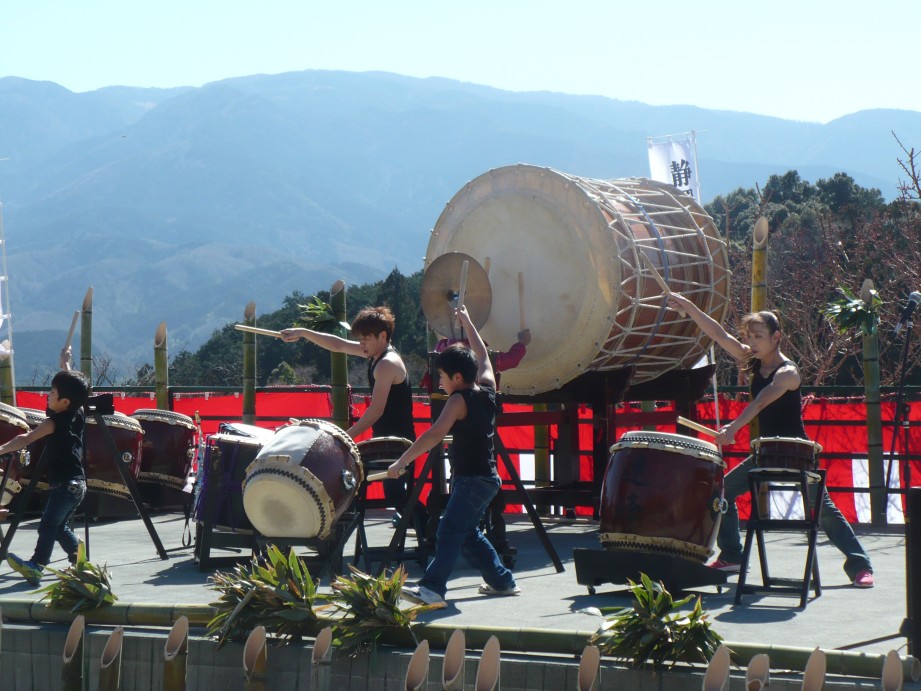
(452, 669)
(339, 366)
(7, 385)
(176, 655)
(161, 367)
(717, 670)
(255, 655)
(759, 265)
(320, 661)
(488, 671)
(872, 401)
(814, 674)
(589, 669)
(417, 672)
(249, 366)
(72, 659)
(758, 674)
(86, 336)
(110, 665)
(891, 678)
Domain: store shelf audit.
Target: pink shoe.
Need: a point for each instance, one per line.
(864, 579)
(727, 566)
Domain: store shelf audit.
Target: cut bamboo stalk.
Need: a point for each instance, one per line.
(589, 669)
(176, 656)
(892, 672)
(255, 654)
(110, 665)
(717, 674)
(487, 674)
(72, 659)
(249, 366)
(161, 368)
(814, 674)
(758, 674)
(452, 670)
(320, 661)
(86, 336)
(417, 672)
(338, 362)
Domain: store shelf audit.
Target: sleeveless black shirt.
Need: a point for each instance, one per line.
(783, 417)
(64, 447)
(397, 418)
(472, 452)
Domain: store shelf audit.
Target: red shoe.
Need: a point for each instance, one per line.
(727, 566)
(864, 579)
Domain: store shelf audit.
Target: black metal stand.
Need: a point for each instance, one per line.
(597, 566)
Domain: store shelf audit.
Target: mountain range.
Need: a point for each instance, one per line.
(182, 205)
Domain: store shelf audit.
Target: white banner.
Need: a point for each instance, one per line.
(674, 161)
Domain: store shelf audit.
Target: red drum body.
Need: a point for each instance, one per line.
(169, 447)
(12, 424)
(788, 453)
(102, 475)
(303, 479)
(220, 480)
(662, 493)
(380, 452)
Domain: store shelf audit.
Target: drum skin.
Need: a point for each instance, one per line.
(102, 475)
(12, 423)
(303, 479)
(378, 453)
(169, 446)
(788, 453)
(662, 493)
(226, 458)
(589, 300)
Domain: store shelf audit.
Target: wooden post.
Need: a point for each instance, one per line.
(339, 366)
(86, 336)
(161, 367)
(72, 659)
(175, 656)
(249, 366)
(110, 665)
(254, 660)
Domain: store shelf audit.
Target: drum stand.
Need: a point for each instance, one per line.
(97, 406)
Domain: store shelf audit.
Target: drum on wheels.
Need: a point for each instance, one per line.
(787, 453)
(166, 463)
(303, 479)
(662, 493)
(220, 481)
(12, 423)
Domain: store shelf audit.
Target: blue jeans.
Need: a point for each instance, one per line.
(459, 533)
(836, 527)
(62, 503)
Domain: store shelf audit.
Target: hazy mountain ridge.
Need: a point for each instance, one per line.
(181, 205)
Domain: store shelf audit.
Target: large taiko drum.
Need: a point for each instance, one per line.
(12, 424)
(565, 254)
(662, 493)
(102, 475)
(220, 479)
(169, 448)
(303, 479)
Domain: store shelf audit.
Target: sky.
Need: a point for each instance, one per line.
(808, 60)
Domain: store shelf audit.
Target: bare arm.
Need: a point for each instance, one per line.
(21, 441)
(389, 372)
(787, 378)
(710, 326)
(454, 410)
(326, 341)
(485, 374)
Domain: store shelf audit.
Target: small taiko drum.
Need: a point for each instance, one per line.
(304, 478)
(12, 424)
(169, 448)
(787, 453)
(220, 480)
(662, 493)
(379, 453)
(102, 475)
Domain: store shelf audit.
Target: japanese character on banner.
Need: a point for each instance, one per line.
(673, 160)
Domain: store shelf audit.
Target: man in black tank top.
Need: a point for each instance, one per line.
(776, 405)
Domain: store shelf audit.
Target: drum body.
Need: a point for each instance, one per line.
(662, 493)
(169, 448)
(102, 475)
(788, 453)
(587, 296)
(220, 481)
(379, 453)
(303, 479)
(12, 424)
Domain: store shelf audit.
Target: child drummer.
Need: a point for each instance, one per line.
(776, 403)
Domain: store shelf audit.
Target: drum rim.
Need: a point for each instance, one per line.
(757, 442)
(118, 420)
(168, 416)
(235, 438)
(663, 437)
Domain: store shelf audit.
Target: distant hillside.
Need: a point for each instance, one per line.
(181, 205)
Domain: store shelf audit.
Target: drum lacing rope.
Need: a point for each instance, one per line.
(667, 442)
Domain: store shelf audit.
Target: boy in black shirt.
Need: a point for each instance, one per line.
(64, 451)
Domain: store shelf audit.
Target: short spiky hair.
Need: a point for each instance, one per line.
(458, 358)
(73, 386)
(372, 320)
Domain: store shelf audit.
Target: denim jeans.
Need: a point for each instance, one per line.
(63, 501)
(459, 533)
(836, 527)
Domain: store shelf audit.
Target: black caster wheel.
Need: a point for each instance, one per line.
(591, 590)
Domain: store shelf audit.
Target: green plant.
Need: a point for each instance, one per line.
(370, 605)
(654, 631)
(852, 311)
(279, 595)
(80, 587)
(319, 316)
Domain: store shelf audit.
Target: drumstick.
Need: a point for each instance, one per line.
(73, 325)
(697, 426)
(254, 330)
(463, 284)
(521, 321)
(374, 477)
(661, 281)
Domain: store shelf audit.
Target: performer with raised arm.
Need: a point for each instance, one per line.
(469, 414)
(776, 402)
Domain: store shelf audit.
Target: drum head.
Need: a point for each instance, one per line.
(284, 505)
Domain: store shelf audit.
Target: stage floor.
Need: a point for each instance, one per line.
(843, 617)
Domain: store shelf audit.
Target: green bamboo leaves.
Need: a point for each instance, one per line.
(81, 587)
(318, 316)
(654, 630)
(853, 312)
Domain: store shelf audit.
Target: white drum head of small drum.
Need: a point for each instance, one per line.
(565, 252)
